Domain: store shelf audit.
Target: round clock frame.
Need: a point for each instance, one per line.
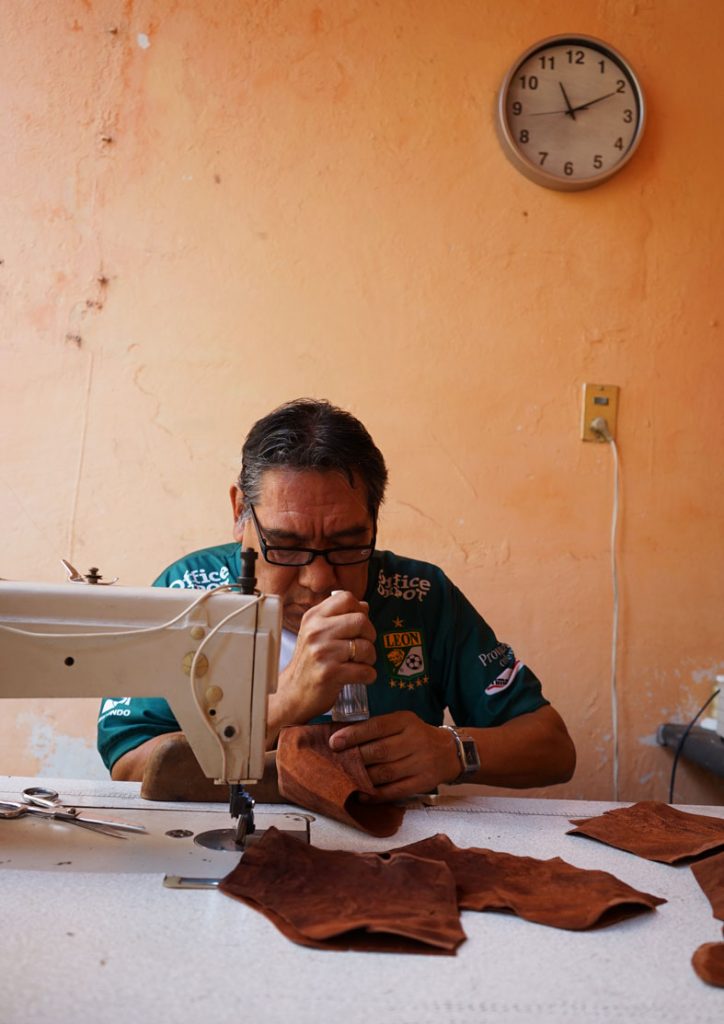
(570, 112)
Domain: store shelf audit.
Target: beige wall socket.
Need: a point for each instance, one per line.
(599, 400)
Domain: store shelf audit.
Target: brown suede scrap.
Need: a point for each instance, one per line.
(313, 776)
(173, 773)
(549, 892)
(335, 899)
(655, 831)
(708, 962)
(709, 874)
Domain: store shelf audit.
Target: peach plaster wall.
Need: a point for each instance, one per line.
(210, 207)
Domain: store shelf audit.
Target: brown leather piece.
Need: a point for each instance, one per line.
(173, 773)
(335, 899)
(709, 874)
(322, 780)
(655, 831)
(549, 892)
(708, 962)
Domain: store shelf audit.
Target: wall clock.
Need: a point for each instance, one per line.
(570, 112)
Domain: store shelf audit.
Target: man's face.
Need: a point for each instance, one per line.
(307, 509)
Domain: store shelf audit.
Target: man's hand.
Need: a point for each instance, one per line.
(402, 753)
(330, 633)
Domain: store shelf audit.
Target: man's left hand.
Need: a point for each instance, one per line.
(403, 754)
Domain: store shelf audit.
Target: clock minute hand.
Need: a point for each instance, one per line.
(570, 111)
(585, 106)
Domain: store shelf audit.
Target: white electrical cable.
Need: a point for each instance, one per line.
(192, 678)
(600, 426)
(123, 632)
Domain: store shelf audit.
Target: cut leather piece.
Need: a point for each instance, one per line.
(330, 782)
(709, 874)
(336, 899)
(708, 962)
(655, 831)
(549, 892)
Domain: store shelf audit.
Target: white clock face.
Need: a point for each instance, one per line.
(570, 112)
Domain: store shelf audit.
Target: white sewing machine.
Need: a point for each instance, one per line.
(213, 655)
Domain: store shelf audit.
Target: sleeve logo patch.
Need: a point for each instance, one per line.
(502, 654)
(505, 679)
(116, 706)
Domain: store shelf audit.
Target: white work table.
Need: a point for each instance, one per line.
(89, 933)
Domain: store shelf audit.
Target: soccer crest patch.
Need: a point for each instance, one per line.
(406, 658)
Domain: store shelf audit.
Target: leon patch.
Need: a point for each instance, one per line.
(406, 658)
(505, 679)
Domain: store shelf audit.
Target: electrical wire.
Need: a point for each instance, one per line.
(682, 741)
(122, 632)
(615, 624)
(600, 426)
(192, 676)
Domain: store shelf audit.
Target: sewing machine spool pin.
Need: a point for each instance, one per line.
(92, 578)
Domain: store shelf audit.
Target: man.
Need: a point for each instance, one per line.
(309, 493)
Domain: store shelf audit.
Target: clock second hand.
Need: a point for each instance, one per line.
(571, 110)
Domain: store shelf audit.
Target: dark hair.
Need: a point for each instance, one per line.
(310, 433)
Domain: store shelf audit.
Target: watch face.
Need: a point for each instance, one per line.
(570, 112)
(472, 761)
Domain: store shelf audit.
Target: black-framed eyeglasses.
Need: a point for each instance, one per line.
(277, 555)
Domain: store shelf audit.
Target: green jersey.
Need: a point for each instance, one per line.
(434, 651)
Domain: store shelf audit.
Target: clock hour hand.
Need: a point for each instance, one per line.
(585, 106)
(570, 111)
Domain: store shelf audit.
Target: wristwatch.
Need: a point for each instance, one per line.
(467, 756)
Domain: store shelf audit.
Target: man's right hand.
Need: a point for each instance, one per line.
(330, 633)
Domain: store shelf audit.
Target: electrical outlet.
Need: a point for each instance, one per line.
(599, 400)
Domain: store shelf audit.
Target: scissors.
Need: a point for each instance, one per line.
(46, 803)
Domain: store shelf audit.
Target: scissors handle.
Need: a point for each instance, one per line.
(36, 796)
(12, 809)
(41, 797)
(15, 809)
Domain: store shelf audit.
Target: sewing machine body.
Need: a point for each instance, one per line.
(223, 715)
